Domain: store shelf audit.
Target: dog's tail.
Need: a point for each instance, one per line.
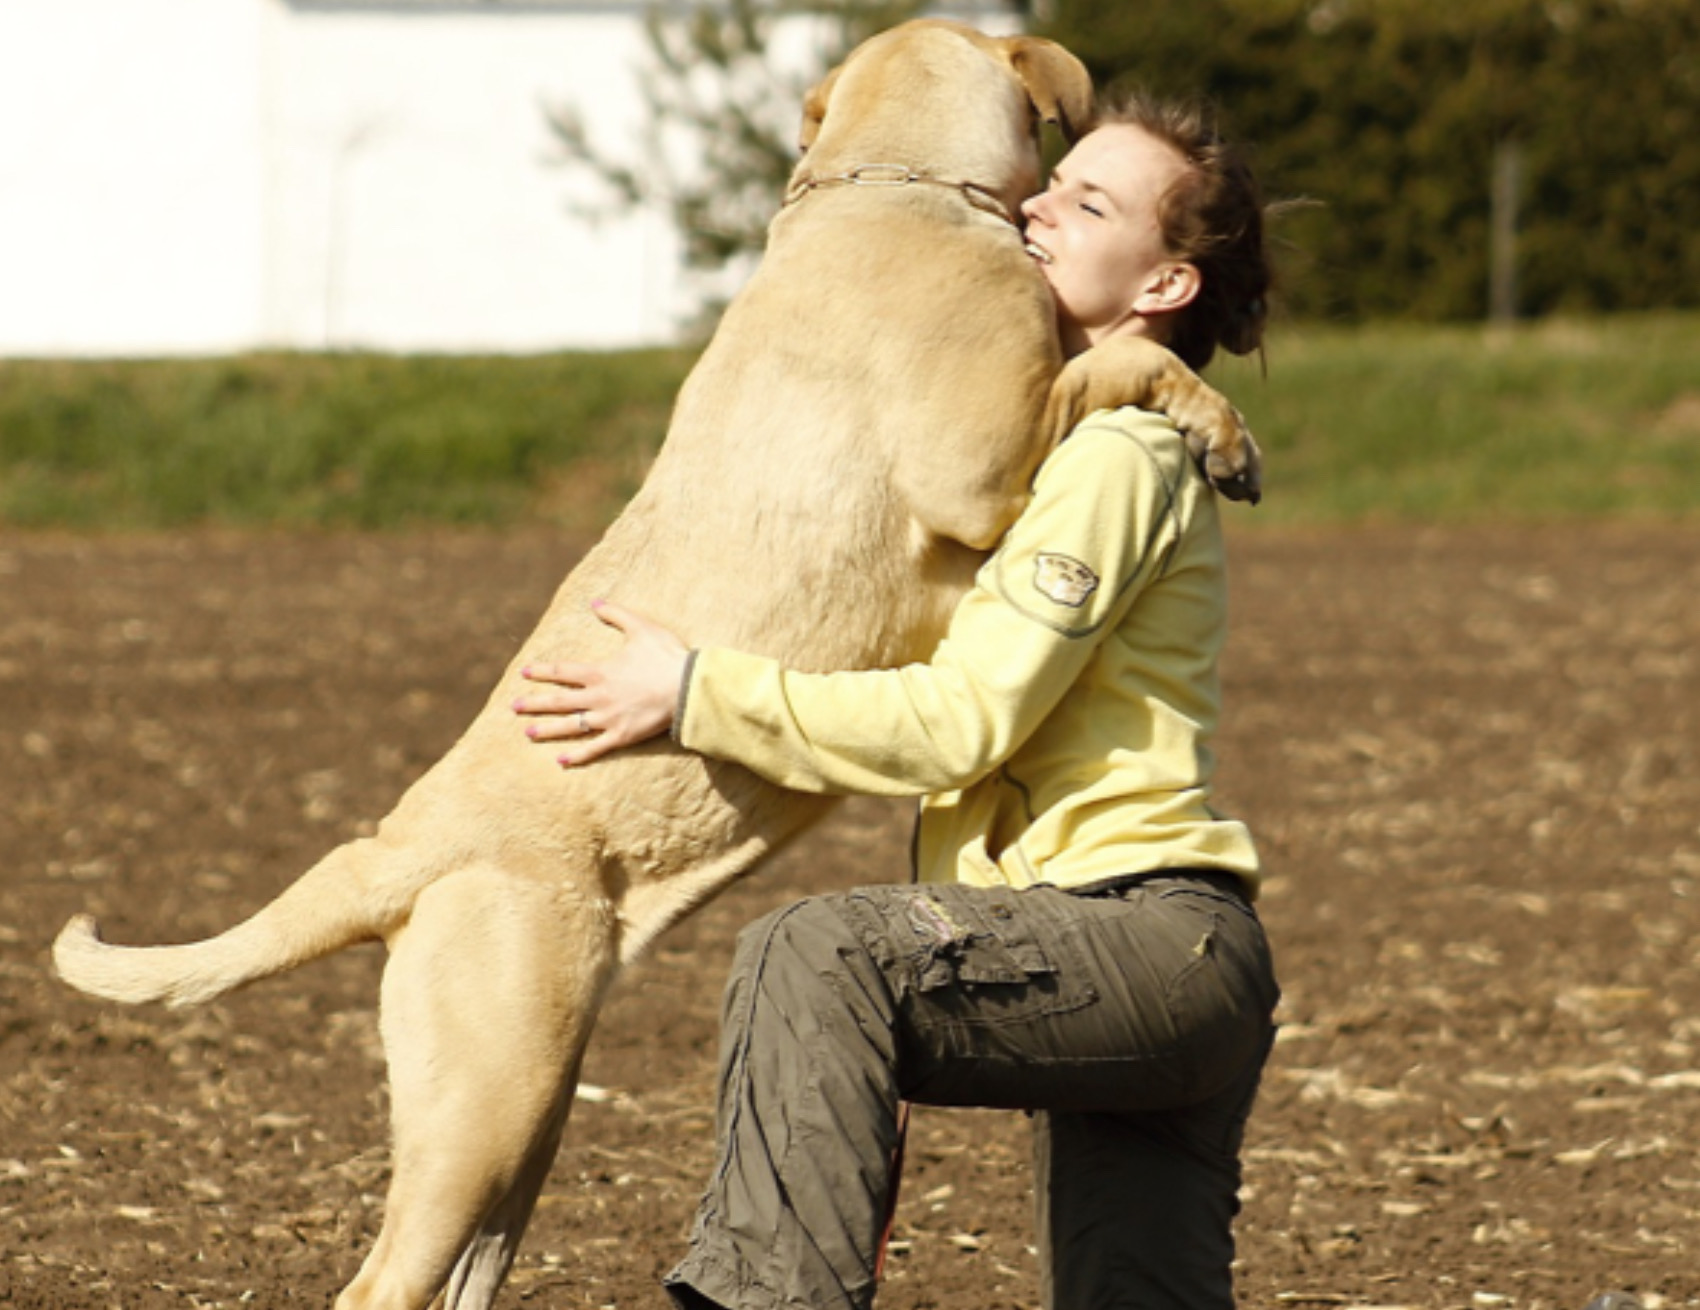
(330, 907)
(177, 975)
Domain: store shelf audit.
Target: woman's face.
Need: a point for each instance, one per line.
(1094, 232)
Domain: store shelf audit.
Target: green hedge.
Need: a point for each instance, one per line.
(1389, 114)
(1565, 420)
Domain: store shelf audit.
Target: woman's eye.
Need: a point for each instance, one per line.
(1092, 210)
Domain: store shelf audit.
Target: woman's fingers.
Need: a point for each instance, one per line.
(547, 705)
(562, 675)
(591, 736)
(598, 708)
(560, 728)
(590, 748)
(629, 622)
(552, 702)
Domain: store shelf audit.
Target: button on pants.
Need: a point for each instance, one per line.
(1133, 1023)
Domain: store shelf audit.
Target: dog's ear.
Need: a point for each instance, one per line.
(814, 110)
(1057, 83)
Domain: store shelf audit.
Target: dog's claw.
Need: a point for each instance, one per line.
(1241, 482)
(1241, 485)
(1240, 489)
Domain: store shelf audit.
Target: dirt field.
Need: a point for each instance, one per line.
(1473, 760)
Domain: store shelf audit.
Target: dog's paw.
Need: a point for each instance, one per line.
(1228, 455)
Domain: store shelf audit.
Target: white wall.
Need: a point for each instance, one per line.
(189, 176)
(203, 176)
(130, 175)
(415, 196)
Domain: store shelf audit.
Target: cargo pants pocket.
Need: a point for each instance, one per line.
(971, 957)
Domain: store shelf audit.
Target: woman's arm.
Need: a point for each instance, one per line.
(1099, 526)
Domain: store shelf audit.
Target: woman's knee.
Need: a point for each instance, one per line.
(803, 974)
(797, 947)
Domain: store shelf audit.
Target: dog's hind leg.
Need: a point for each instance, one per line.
(488, 1000)
(484, 1264)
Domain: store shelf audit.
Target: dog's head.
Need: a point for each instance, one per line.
(915, 74)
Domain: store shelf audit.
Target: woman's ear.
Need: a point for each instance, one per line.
(1170, 287)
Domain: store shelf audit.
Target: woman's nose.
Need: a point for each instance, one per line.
(1033, 207)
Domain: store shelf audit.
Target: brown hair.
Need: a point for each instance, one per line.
(1212, 218)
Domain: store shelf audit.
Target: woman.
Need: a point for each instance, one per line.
(1081, 943)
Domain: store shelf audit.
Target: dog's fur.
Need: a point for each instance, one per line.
(864, 424)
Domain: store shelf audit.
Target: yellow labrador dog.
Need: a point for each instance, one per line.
(862, 427)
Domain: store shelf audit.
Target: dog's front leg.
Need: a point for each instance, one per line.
(1137, 371)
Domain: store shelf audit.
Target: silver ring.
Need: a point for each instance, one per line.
(583, 725)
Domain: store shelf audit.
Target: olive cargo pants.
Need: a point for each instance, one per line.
(1135, 1021)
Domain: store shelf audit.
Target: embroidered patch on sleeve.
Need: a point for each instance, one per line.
(1063, 579)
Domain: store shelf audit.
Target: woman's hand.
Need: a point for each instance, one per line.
(602, 707)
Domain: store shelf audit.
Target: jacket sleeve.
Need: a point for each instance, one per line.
(1101, 523)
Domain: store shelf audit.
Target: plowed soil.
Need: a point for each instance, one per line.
(1473, 760)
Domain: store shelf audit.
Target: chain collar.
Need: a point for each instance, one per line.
(901, 175)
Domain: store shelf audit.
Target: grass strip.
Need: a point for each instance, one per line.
(1558, 421)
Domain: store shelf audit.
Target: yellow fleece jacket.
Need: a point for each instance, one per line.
(1061, 731)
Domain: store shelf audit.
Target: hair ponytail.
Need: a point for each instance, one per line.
(1213, 218)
